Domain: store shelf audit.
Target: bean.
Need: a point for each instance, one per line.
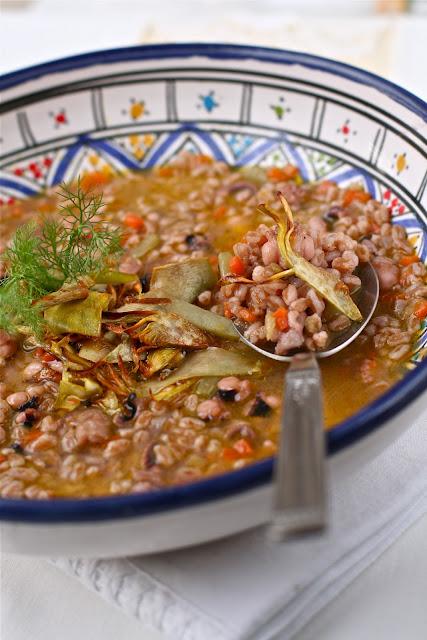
(32, 370)
(13, 489)
(15, 400)
(116, 447)
(36, 390)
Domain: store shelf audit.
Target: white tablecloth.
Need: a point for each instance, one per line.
(387, 602)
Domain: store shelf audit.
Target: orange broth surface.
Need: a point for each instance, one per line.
(158, 191)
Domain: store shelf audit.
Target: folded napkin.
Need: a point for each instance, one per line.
(247, 588)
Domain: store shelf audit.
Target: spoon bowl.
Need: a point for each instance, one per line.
(299, 497)
(366, 299)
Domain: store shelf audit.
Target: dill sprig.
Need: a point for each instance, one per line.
(42, 258)
(17, 312)
(78, 244)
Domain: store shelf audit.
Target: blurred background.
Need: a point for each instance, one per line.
(388, 37)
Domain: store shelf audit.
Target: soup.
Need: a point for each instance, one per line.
(120, 368)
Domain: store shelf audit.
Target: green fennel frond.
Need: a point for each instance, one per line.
(40, 259)
(17, 311)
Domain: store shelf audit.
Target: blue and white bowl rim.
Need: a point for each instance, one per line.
(226, 485)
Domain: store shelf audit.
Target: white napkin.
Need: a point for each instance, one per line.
(246, 588)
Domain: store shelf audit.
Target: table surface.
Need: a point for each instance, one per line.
(387, 602)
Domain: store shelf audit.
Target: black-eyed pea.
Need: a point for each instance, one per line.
(31, 370)
(12, 489)
(116, 447)
(16, 400)
(36, 390)
(48, 424)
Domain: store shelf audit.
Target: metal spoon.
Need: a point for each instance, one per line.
(299, 493)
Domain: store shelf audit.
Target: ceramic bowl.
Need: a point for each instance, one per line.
(137, 107)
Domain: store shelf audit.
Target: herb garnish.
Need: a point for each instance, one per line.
(41, 258)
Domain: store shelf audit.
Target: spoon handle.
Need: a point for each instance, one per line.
(299, 498)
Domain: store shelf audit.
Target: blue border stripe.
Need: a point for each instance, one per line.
(65, 161)
(114, 152)
(219, 51)
(348, 174)
(171, 139)
(369, 183)
(17, 186)
(208, 140)
(162, 149)
(296, 157)
(259, 151)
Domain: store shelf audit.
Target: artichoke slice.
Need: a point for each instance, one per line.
(69, 292)
(184, 280)
(162, 329)
(160, 359)
(208, 321)
(71, 393)
(325, 283)
(212, 362)
(81, 316)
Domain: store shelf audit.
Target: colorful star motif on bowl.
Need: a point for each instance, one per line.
(400, 163)
(59, 118)
(280, 108)
(208, 102)
(136, 110)
(346, 130)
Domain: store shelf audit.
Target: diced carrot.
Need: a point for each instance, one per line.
(281, 318)
(47, 357)
(220, 212)
(46, 207)
(243, 447)
(165, 172)
(407, 260)
(237, 266)
(94, 179)
(124, 237)
(2, 458)
(280, 174)
(247, 315)
(228, 453)
(43, 355)
(227, 311)
(115, 436)
(204, 159)
(32, 435)
(352, 195)
(421, 310)
(134, 222)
